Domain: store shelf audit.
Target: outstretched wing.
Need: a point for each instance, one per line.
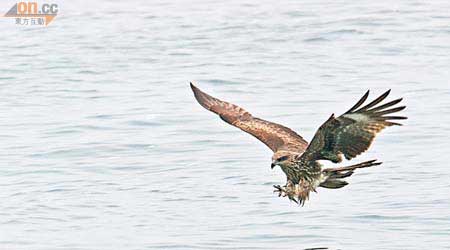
(352, 133)
(275, 136)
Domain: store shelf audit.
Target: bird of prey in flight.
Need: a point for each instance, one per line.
(348, 135)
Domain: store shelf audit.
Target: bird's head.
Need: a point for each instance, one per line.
(282, 158)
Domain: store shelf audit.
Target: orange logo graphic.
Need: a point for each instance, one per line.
(30, 13)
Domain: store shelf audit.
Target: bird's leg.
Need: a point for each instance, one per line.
(287, 190)
(298, 193)
(280, 190)
(302, 191)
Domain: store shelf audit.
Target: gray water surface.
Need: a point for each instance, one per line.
(104, 147)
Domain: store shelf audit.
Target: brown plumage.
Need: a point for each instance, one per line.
(349, 135)
(275, 136)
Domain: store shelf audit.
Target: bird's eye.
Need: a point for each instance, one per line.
(283, 158)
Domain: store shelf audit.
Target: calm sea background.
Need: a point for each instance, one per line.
(104, 147)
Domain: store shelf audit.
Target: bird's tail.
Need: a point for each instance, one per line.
(334, 175)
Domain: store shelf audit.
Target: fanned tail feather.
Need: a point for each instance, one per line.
(335, 174)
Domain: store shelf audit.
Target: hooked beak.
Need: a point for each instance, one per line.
(272, 165)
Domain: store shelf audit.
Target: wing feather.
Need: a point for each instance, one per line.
(386, 105)
(353, 132)
(376, 101)
(275, 136)
(360, 102)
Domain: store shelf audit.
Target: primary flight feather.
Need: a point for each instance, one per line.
(347, 135)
